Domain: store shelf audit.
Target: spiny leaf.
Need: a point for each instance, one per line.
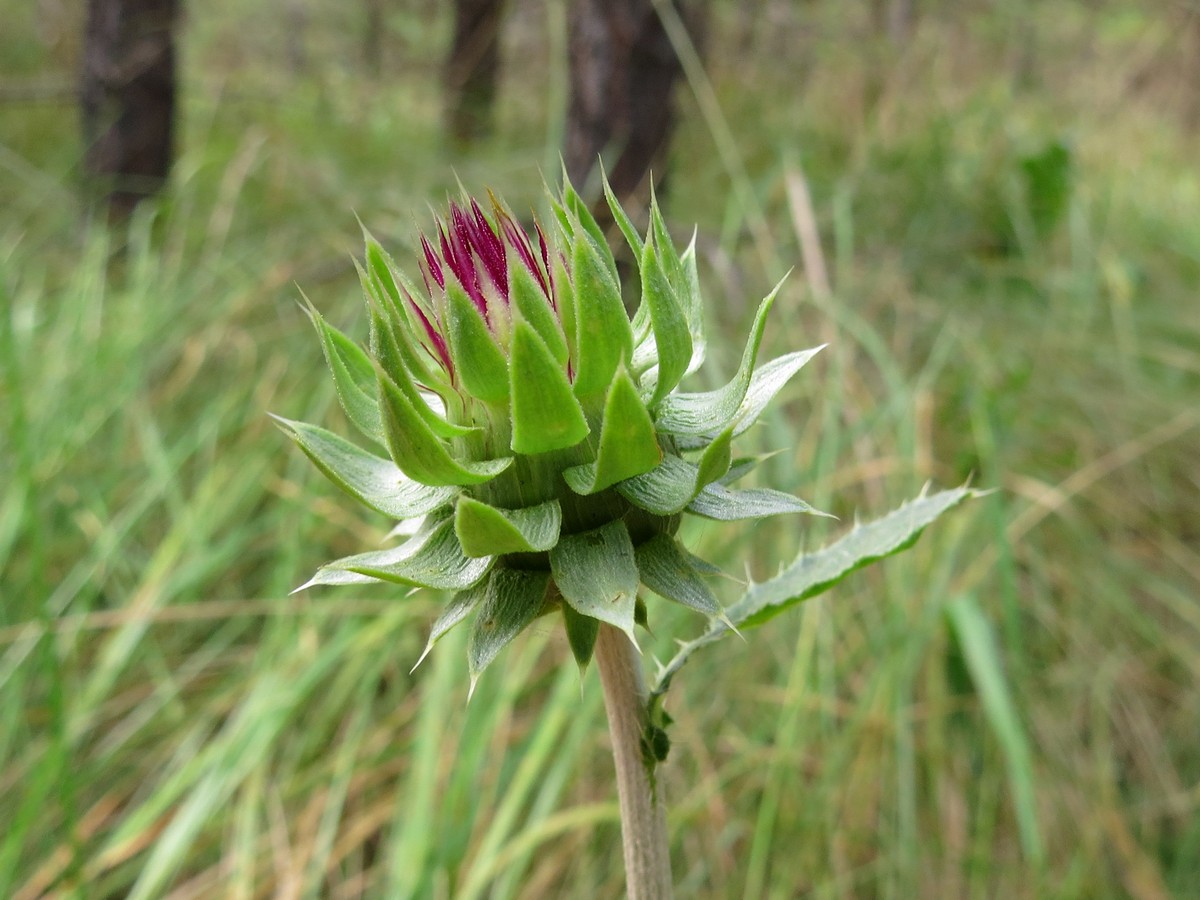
(814, 573)
(716, 459)
(370, 479)
(661, 238)
(566, 227)
(431, 559)
(581, 633)
(628, 443)
(382, 283)
(667, 571)
(766, 382)
(718, 502)
(418, 452)
(485, 530)
(743, 466)
(672, 339)
(622, 218)
(353, 377)
(455, 612)
(693, 304)
(326, 577)
(532, 306)
(391, 361)
(564, 294)
(664, 490)
(712, 411)
(585, 223)
(545, 414)
(603, 337)
(513, 599)
(480, 363)
(669, 487)
(597, 574)
(702, 566)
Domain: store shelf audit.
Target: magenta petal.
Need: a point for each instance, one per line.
(431, 260)
(519, 241)
(461, 261)
(542, 243)
(546, 262)
(440, 349)
(490, 249)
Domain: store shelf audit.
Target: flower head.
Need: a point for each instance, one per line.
(534, 429)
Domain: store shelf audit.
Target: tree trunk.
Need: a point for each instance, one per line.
(893, 19)
(373, 38)
(127, 95)
(1191, 38)
(472, 68)
(623, 69)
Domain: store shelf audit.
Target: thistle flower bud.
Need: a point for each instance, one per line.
(534, 429)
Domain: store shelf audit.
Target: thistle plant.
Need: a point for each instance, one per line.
(534, 443)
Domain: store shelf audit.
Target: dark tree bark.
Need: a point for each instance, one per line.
(1191, 38)
(472, 69)
(298, 18)
(127, 94)
(623, 72)
(373, 38)
(894, 19)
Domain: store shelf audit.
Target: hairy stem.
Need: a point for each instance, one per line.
(643, 814)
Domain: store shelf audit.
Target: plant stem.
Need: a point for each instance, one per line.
(643, 814)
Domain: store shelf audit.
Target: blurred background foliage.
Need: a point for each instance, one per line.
(994, 215)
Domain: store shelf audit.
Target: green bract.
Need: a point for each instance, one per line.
(536, 432)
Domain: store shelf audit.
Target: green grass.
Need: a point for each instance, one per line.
(1010, 709)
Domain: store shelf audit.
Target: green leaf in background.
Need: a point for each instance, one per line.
(513, 599)
(545, 414)
(668, 571)
(419, 452)
(814, 573)
(712, 411)
(370, 479)
(974, 635)
(431, 559)
(597, 574)
(628, 443)
(489, 531)
(1048, 182)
